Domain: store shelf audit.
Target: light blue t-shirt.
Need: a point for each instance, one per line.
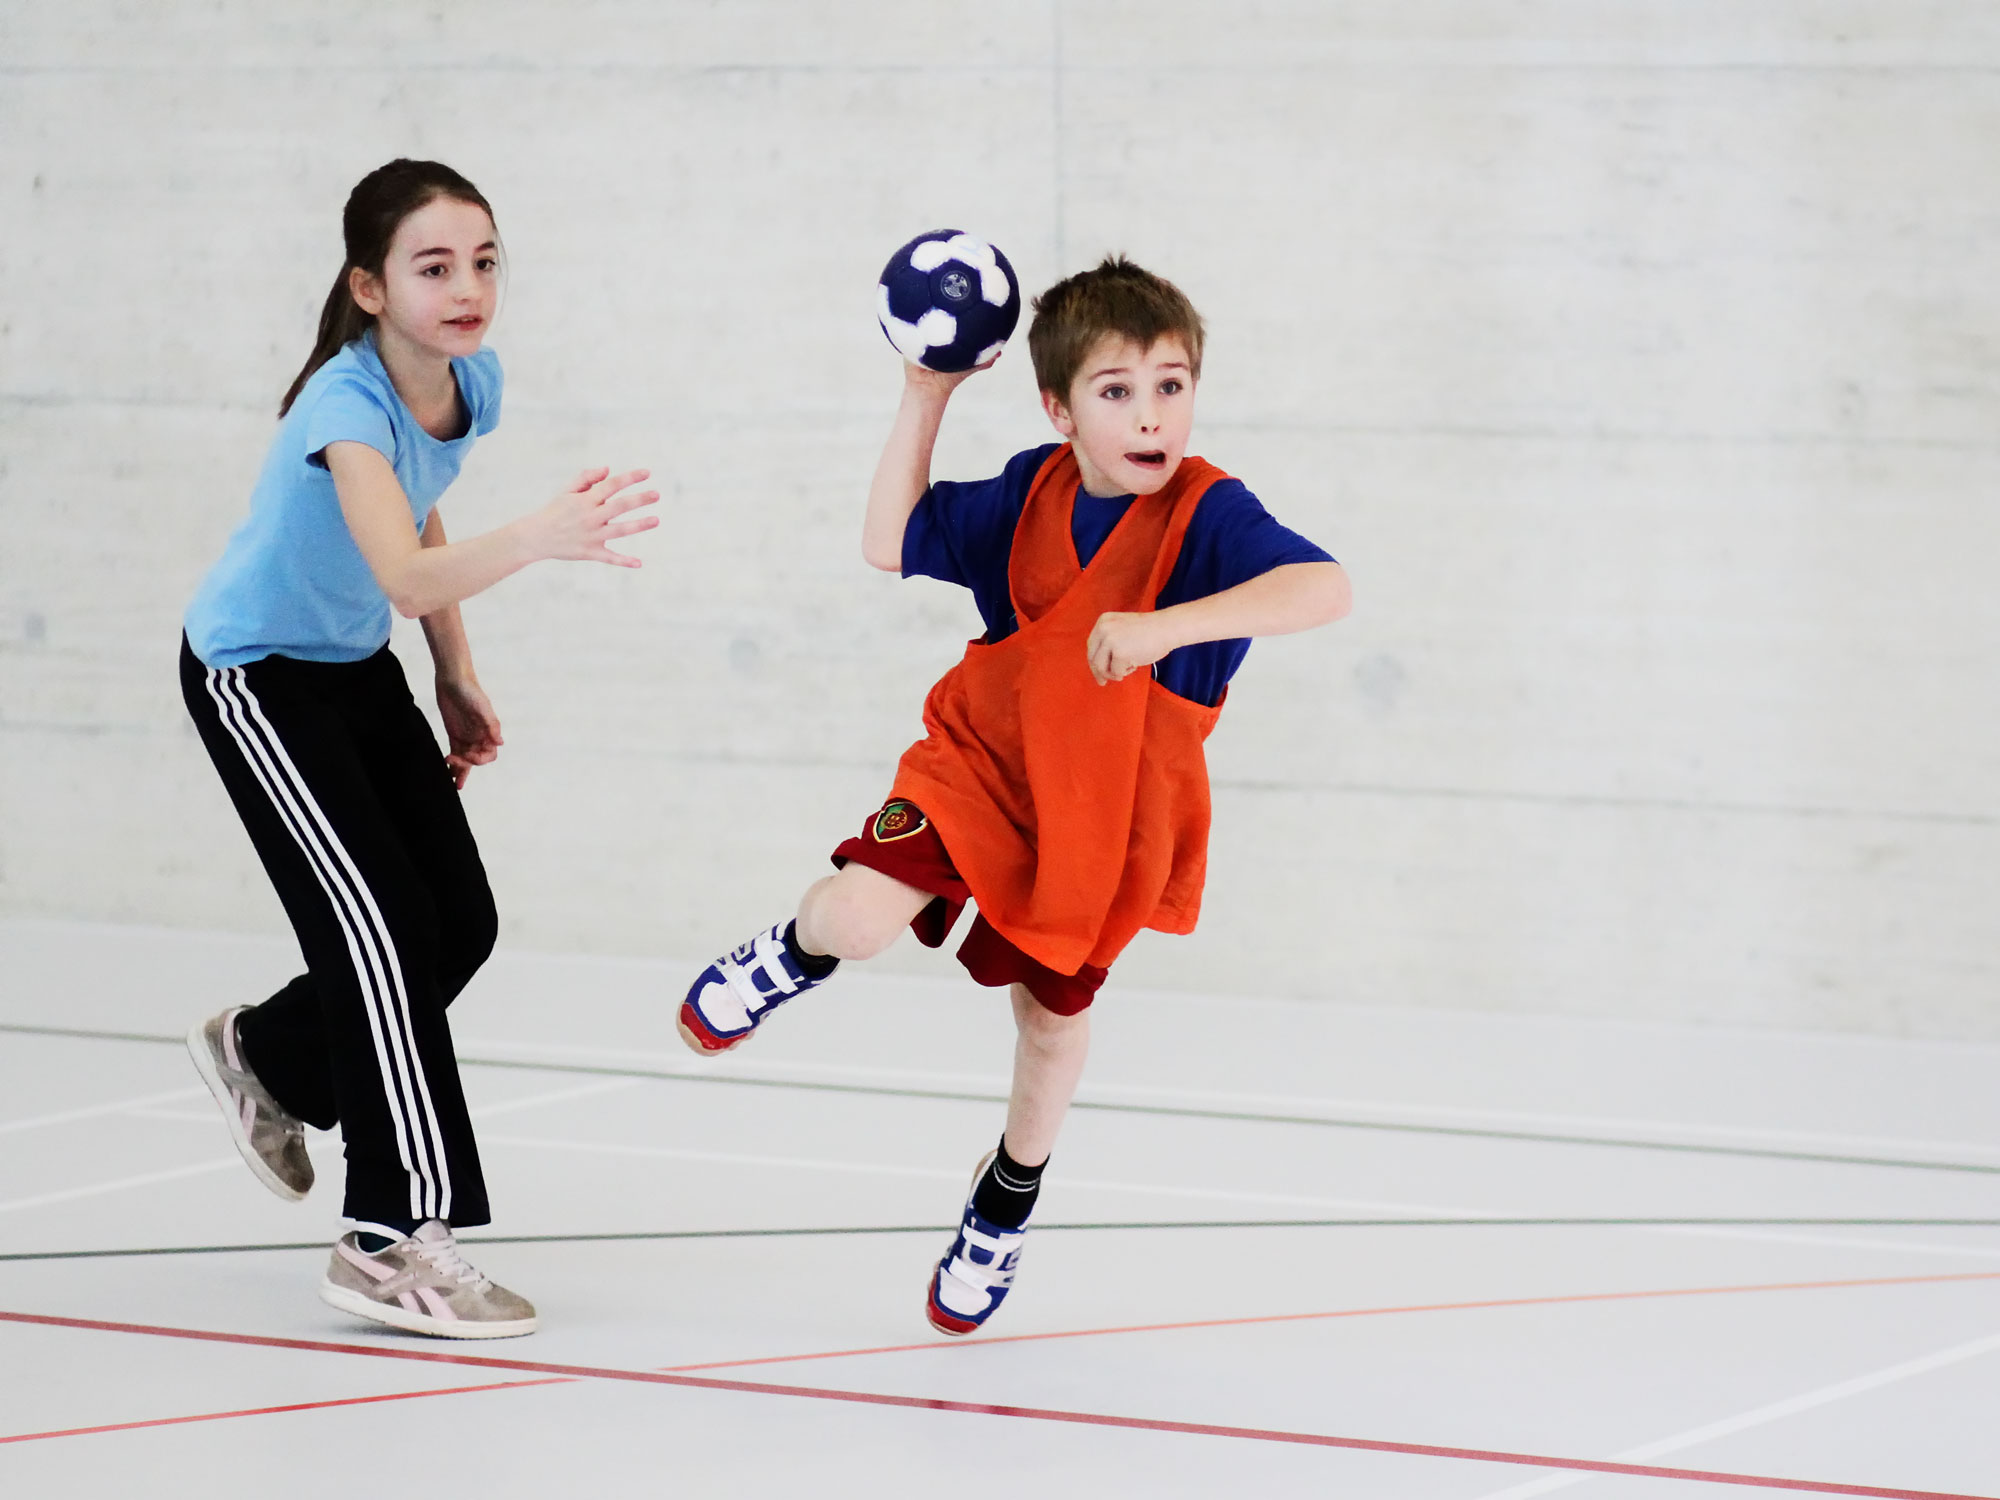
(292, 582)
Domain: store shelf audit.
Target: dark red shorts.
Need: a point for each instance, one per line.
(899, 842)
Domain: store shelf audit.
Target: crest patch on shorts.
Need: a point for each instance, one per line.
(898, 820)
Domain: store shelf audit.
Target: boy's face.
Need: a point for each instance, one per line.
(1128, 415)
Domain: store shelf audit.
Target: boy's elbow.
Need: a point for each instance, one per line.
(1343, 597)
(1336, 595)
(882, 559)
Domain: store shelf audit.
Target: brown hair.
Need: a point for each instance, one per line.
(375, 211)
(1114, 297)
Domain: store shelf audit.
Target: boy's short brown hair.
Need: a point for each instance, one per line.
(1115, 297)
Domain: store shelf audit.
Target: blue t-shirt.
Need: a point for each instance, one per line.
(964, 533)
(292, 582)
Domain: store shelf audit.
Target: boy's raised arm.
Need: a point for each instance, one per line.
(904, 471)
(1297, 596)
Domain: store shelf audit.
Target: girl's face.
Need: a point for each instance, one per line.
(440, 281)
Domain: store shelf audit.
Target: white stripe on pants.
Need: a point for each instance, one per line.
(369, 943)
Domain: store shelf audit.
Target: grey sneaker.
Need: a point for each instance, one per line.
(272, 1141)
(424, 1285)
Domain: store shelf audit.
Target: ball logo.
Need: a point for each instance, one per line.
(956, 285)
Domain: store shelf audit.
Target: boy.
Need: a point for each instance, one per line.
(1060, 785)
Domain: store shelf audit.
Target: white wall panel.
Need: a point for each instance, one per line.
(1639, 360)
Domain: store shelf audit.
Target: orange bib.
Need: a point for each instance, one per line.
(1077, 814)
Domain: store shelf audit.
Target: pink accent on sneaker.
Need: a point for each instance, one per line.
(367, 1264)
(408, 1302)
(229, 1052)
(249, 1113)
(435, 1304)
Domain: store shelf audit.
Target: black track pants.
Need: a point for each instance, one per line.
(345, 794)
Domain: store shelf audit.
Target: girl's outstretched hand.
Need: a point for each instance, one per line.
(579, 523)
(470, 725)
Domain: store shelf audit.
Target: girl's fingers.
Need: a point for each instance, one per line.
(589, 477)
(616, 482)
(617, 505)
(630, 528)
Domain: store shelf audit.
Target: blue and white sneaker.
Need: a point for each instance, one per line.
(733, 995)
(973, 1279)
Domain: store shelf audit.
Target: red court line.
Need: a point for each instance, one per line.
(1022, 1338)
(1358, 1312)
(977, 1408)
(266, 1411)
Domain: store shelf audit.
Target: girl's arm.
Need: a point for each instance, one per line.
(1297, 596)
(470, 724)
(904, 471)
(420, 579)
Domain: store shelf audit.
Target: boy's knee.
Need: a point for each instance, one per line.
(851, 927)
(1042, 1027)
(844, 919)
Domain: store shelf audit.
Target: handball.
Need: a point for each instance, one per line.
(948, 301)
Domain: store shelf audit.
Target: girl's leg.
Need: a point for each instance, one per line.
(408, 771)
(300, 747)
(1049, 1052)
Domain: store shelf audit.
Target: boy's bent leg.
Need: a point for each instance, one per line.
(855, 913)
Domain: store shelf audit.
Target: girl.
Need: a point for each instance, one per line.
(286, 668)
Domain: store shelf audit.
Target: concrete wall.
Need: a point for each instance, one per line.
(1640, 361)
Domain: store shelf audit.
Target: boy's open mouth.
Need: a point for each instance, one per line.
(1152, 460)
(465, 322)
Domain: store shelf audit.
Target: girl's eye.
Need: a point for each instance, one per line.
(488, 263)
(435, 268)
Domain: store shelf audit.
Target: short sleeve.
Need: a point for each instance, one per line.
(480, 383)
(347, 411)
(959, 527)
(1233, 539)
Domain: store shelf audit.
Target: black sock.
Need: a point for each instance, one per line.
(1007, 1190)
(814, 965)
(375, 1244)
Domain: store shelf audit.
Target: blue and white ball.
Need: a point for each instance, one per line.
(948, 301)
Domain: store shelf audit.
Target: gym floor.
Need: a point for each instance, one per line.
(1284, 1249)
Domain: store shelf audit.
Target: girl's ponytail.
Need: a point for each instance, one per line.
(375, 210)
(341, 321)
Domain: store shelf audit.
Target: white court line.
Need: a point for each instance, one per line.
(959, 1174)
(1222, 1195)
(1111, 1092)
(37, 1122)
(174, 1174)
(1763, 1414)
(1792, 1237)
(951, 1174)
(558, 1096)
(533, 1101)
(89, 1190)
